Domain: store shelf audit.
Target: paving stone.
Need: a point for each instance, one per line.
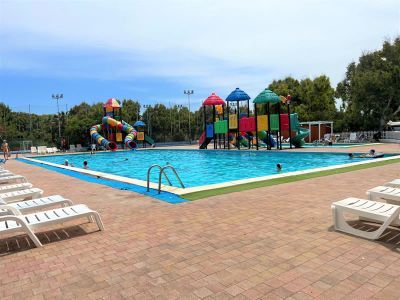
(268, 243)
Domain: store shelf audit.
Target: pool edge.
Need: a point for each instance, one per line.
(183, 193)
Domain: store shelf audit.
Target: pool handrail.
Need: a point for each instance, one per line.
(162, 172)
(148, 175)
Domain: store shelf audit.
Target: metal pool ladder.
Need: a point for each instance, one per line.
(162, 172)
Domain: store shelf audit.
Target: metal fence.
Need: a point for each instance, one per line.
(368, 136)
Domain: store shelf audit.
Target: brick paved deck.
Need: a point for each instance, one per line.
(271, 243)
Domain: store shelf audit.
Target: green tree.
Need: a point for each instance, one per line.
(130, 111)
(371, 88)
(312, 99)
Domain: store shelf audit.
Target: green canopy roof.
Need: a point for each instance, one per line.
(267, 96)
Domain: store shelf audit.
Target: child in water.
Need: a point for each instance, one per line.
(278, 167)
(66, 163)
(85, 165)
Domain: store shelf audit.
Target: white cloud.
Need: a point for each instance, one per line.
(207, 42)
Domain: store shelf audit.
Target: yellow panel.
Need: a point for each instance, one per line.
(118, 137)
(109, 109)
(262, 122)
(233, 122)
(140, 136)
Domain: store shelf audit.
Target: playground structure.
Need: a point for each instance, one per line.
(113, 128)
(140, 127)
(243, 130)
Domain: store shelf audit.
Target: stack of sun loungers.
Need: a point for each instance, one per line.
(382, 207)
(24, 209)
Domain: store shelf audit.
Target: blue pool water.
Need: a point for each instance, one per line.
(199, 167)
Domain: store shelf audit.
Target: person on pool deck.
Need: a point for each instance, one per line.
(278, 167)
(6, 149)
(85, 165)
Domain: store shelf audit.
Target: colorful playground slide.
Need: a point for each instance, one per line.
(149, 140)
(263, 136)
(243, 140)
(298, 140)
(122, 126)
(207, 136)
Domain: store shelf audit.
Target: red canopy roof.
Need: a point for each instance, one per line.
(113, 103)
(213, 99)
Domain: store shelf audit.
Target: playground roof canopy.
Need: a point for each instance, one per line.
(139, 123)
(237, 95)
(267, 96)
(112, 102)
(213, 99)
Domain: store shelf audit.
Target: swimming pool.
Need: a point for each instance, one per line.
(199, 167)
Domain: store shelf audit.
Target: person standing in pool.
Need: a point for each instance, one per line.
(278, 167)
(85, 165)
(93, 149)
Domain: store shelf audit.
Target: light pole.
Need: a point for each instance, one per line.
(58, 96)
(170, 117)
(188, 93)
(147, 107)
(179, 106)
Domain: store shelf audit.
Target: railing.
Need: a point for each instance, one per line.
(368, 136)
(162, 172)
(148, 175)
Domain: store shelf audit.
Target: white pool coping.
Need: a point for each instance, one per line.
(182, 191)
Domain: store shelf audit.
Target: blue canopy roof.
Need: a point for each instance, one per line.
(139, 123)
(237, 95)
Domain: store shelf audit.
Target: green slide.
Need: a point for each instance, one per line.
(262, 144)
(244, 142)
(298, 140)
(149, 140)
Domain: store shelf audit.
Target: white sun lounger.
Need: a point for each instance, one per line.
(21, 195)
(394, 183)
(15, 187)
(34, 204)
(378, 211)
(31, 222)
(4, 171)
(6, 174)
(387, 193)
(12, 179)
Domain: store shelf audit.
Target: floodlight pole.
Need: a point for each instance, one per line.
(57, 97)
(147, 106)
(188, 93)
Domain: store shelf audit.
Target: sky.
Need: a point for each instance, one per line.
(151, 51)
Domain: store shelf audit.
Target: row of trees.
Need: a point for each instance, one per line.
(369, 95)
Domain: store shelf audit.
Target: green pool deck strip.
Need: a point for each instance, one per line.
(290, 177)
(199, 192)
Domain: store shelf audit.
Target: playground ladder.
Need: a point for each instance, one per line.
(162, 172)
